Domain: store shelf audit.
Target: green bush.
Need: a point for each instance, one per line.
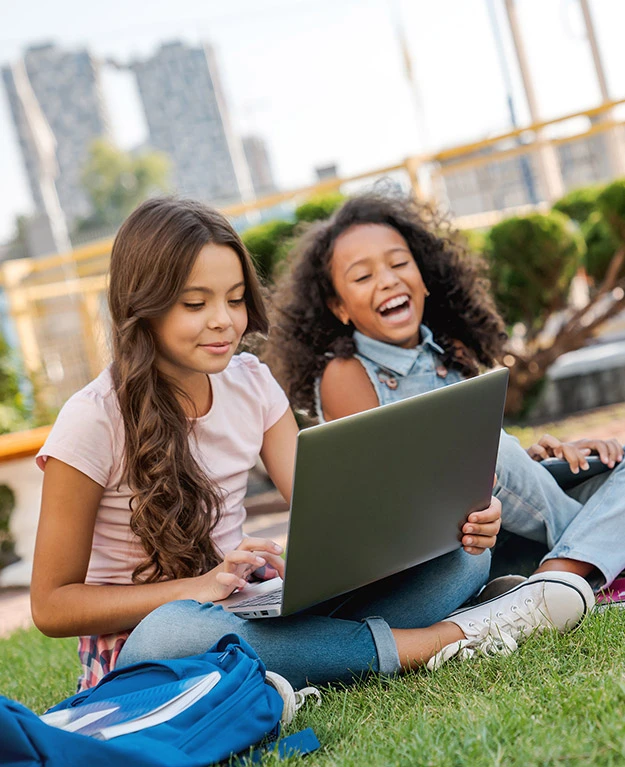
(264, 241)
(269, 243)
(532, 262)
(611, 203)
(320, 207)
(579, 203)
(7, 544)
(475, 240)
(601, 245)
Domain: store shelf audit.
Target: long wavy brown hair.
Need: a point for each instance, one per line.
(174, 505)
(305, 335)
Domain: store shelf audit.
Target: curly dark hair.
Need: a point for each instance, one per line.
(305, 335)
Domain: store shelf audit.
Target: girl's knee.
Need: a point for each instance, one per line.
(475, 567)
(169, 631)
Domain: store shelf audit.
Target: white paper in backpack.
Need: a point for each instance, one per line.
(136, 711)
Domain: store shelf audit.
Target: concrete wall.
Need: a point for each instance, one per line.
(582, 380)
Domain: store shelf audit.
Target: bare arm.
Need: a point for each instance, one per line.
(346, 389)
(278, 453)
(64, 605)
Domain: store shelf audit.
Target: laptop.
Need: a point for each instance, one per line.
(382, 491)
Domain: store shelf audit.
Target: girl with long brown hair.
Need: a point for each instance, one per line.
(146, 469)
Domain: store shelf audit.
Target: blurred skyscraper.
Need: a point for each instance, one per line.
(66, 87)
(188, 119)
(259, 164)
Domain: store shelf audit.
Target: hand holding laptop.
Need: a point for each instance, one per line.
(480, 531)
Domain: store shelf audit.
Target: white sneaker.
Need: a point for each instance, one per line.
(545, 600)
(499, 586)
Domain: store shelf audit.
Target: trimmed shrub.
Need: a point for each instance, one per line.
(264, 241)
(611, 203)
(579, 203)
(320, 207)
(532, 262)
(601, 245)
(475, 240)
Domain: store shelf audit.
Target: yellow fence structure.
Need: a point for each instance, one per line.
(58, 305)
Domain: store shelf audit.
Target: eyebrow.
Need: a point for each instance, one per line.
(394, 249)
(199, 289)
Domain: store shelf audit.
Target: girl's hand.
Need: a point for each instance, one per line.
(238, 565)
(575, 453)
(480, 530)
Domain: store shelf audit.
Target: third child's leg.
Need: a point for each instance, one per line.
(595, 535)
(535, 507)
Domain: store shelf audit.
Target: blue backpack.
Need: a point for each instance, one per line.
(188, 712)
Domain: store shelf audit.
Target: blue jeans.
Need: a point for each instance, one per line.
(587, 523)
(337, 641)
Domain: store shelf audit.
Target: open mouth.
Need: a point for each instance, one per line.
(395, 308)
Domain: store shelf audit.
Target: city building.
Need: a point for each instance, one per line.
(187, 118)
(514, 182)
(259, 164)
(62, 87)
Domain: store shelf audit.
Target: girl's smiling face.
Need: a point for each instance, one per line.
(378, 284)
(202, 330)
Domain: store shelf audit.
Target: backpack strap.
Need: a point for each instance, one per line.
(296, 744)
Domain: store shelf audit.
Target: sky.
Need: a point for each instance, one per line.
(323, 81)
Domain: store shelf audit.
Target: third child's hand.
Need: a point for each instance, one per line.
(480, 531)
(575, 453)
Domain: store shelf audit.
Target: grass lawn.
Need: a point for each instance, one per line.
(558, 701)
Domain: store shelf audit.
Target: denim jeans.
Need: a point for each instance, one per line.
(586, 523)
(340, 640)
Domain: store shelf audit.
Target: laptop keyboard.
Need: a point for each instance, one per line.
(271, 598)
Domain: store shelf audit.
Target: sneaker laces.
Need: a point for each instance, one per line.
(498, 635)
(484, 643)
(518, 620)
(293, 699)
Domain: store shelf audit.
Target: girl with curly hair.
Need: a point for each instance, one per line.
(382, 302)
(146, 468)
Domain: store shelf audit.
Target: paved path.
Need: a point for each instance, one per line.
(14, 610)
(15, 605)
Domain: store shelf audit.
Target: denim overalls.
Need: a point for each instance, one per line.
(586, 524)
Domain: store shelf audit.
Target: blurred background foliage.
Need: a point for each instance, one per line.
(532, 261)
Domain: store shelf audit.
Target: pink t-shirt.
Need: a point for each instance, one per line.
(89, 435)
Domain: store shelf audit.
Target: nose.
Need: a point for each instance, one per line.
(219, 318)
(387, 278)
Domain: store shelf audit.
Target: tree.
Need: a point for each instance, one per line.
(533, 261)
(117, 181)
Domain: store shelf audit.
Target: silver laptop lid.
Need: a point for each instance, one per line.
(387, 489)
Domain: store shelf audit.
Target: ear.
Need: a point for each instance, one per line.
(335, 305)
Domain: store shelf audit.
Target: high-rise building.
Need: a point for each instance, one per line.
(66, 87)
(188, 119)
(257, 157)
